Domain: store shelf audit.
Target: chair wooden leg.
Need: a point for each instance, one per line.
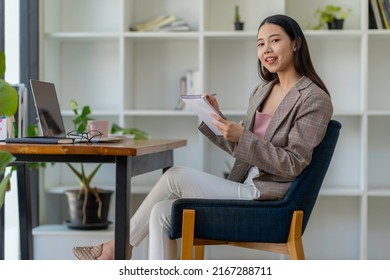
(199, 252)
(187, 234)
(294, 243)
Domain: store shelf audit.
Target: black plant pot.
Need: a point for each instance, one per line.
(336, 24)
(238, 25)
(93, 221)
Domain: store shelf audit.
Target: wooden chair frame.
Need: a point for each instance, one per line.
(293, 247)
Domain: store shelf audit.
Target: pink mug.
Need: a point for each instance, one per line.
(98, 125)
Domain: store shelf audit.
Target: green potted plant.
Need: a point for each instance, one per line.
(331, 16)
(8, 107)
(89, 206)
(238, 24)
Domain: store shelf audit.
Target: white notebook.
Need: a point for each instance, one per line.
(200, 105)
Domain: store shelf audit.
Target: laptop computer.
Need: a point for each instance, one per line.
(50, 120)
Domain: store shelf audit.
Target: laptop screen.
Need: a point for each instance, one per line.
(48, 109)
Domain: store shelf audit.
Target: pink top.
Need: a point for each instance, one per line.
(262, 121)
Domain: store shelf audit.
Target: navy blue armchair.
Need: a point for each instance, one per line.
(274, 226)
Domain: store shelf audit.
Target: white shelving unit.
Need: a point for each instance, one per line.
(132, 78)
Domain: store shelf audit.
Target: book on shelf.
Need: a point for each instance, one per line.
(189, 85)
(386, 4)
(177, 25)
(192, 82)
(379, 14)
(375, 19)
(183, 91)
(161, 23)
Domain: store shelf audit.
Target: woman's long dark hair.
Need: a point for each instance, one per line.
(302, 60)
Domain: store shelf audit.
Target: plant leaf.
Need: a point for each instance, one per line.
(8, 99)
(5, 159)
(93, 172)
(2, 64)
(4, 186)
(76, 172)
(86, 111)
(8, 95)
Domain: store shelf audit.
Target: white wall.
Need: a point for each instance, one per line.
(12, 76)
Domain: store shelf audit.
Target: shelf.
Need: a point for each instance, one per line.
(162, 35)
(333, 34)
(62, 229)
(378, 191)
(82, 36)
(336, 192)
(135, 189)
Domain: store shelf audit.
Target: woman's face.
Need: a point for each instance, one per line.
(275, 49)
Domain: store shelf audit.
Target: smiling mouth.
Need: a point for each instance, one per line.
(270, 59)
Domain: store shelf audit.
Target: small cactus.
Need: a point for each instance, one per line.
(237, 14)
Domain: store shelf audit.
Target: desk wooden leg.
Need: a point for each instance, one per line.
(24, 199)
(122, 207)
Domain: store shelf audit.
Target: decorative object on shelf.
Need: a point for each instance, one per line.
(238, 24)
(331, 16)
(8, 107)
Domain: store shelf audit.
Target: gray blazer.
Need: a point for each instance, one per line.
(296, 128)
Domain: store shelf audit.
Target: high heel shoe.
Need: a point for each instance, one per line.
(88, 253)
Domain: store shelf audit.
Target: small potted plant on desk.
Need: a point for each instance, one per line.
(8, 107)
(89, 206)
(331, 16)
(238, 24)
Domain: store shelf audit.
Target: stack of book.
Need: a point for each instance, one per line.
(161, 23)
(379, 17)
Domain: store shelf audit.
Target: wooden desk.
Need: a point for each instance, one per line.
(130, 158)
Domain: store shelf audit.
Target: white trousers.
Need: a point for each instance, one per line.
(153, 217)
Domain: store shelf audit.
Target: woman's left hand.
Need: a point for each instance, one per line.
(231, 130)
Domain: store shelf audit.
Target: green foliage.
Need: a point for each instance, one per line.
(81, 120)
(138, 134)
(84, 180)
(80, 124)
(237, 17)
(5, 159)
(8, 95)
(330, 13)
(8, 107)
